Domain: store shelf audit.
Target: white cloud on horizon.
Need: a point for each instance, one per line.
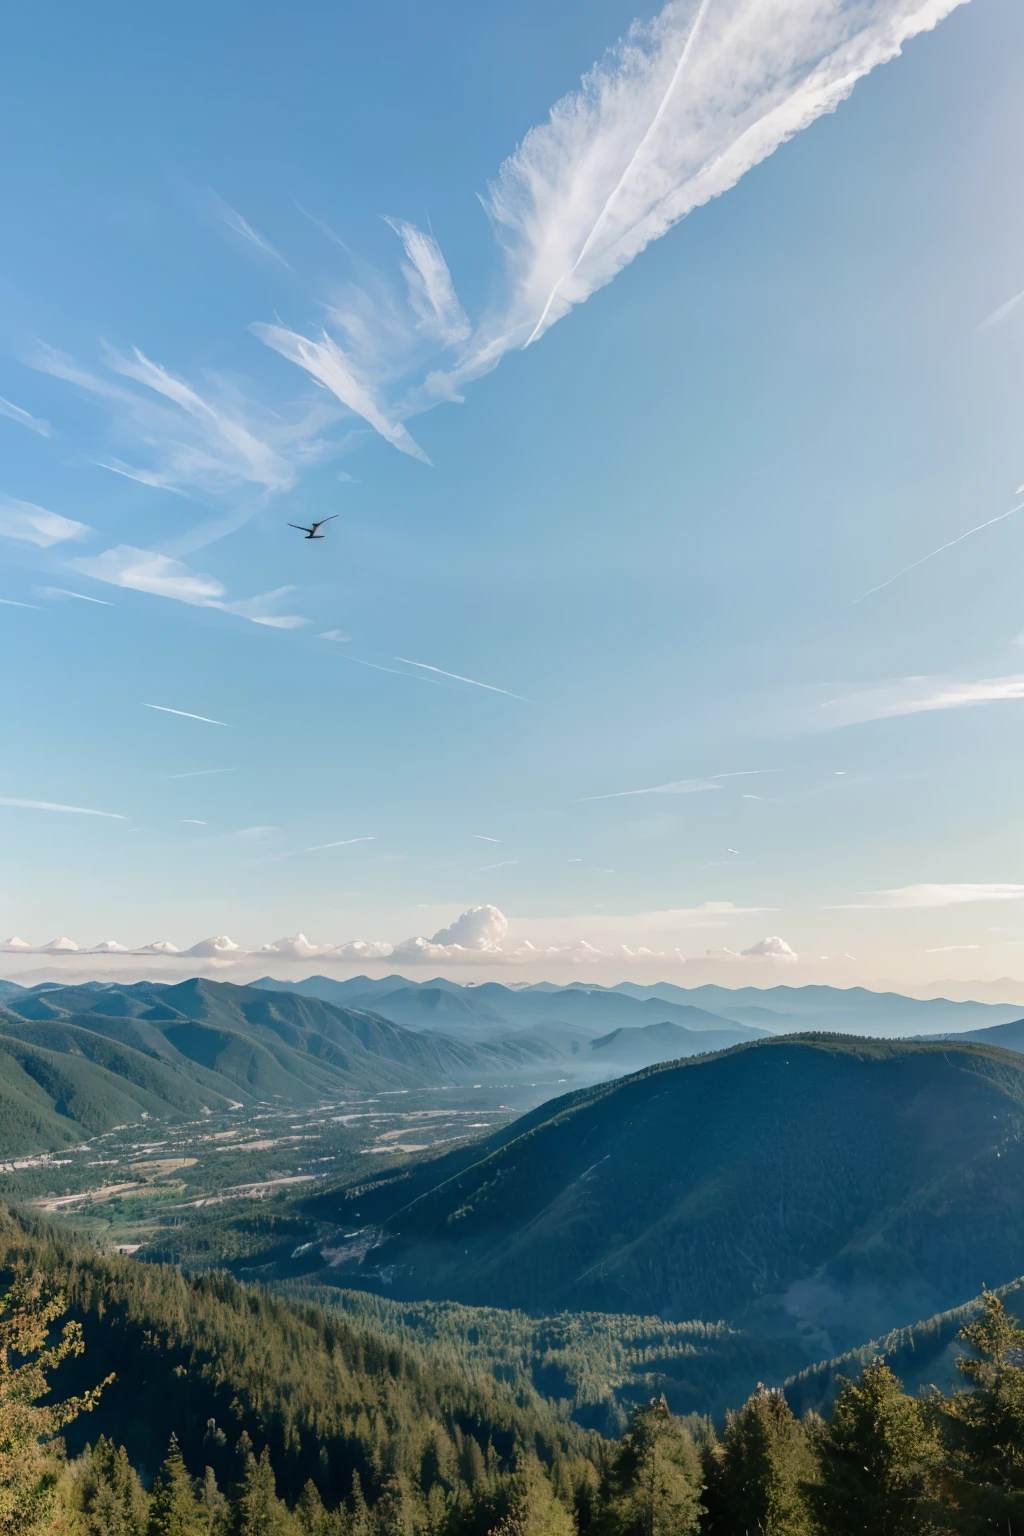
(908, 897)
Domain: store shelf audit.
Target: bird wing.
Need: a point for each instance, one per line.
(326, 520)
(300, 527)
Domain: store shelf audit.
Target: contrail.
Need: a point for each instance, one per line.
(199, 773)
(651, 129)
(915, 563)
(164, 710)
(460, 679)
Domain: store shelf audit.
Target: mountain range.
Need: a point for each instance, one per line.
(75, 1061)
(490, 1006)
(811, 1185)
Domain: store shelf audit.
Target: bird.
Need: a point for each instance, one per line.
(311, 531)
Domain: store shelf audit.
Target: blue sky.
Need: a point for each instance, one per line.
(727, 360)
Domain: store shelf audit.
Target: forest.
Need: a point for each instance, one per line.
(135, 1401)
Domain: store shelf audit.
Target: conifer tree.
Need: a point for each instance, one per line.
(983, 1427)
(256, 1510)
(29, 1468)
(110, 1495)
(656, 1478)
(174, 1509)
(879, 1458)
(757, 1472)
(213, 1506)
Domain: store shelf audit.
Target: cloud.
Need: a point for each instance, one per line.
(143, 570)
(199, 773)
(941, 549)
(61, 594)
(161, 947)
(1002, 312)
(336, 634)
(682, 786)
(211, 949)
(184, 713)
(672, 117)
(918, 695)
(425, 667)
(478, 928)
(47, 805)
(482, 839)
(107, 947)
(26, 523)
(10, 602)
(771, 948)
(325, 361)
(948, 949)
(432, 295)
(15, 413)
(233, 219)
(207, 444)
(916, 896)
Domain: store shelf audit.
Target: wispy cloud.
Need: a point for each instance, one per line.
(144, 570)
(10, 602)
(932, 553)
(234, 220)
(504, 864)
(482, 839)
(199, 773)
(948, 949)
(917, 695)
(681, 786)
(918, 896)
(412, 677)
(197, 444)
(1002, 312)
(336, 634)
(672, 117)
(59, 594)
(424, 666)
(48, 805)
(26, 523)
(432, 294)
(325, 361)
(15, 413)
(184, 713)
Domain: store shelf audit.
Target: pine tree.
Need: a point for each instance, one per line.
(256, 1509)
(110, 1495)
(213, 1506)
(757, 1473)
(174, 1509)
(656, 1478)
(29, 1468)
(879, 1459)
(984, 1427)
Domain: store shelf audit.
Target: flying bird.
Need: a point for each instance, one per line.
(311, 531)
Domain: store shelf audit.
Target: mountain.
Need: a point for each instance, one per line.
(1009, 1036)
(78, 1060)
(836, 1187)
(773, 1010)
(454, 1013)
(630, 1049)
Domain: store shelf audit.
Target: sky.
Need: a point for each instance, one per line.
(661, 373)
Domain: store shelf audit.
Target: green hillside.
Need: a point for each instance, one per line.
(838, 1187)
(83, 1059)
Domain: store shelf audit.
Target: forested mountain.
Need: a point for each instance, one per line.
(279, 1420)
(835, 1186)
(772, 1010)
(78, 1060)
